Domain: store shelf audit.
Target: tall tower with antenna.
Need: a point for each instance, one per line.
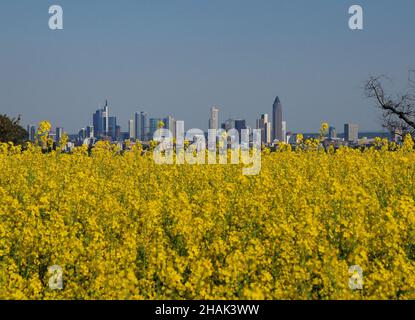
(277, 130)
(105, 118)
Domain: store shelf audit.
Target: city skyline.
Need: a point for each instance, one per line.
(176, 59)
(125, 124)
(143, 126)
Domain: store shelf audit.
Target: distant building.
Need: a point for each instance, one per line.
(58, 134)
(90, 131)
(31, 130)
(293, 138)
(214, 118)
(170, 124)
(101, 121)
(284, 131)
(131, 129)
(125, 136)
(264, 125)
(117, 133)
(142, 126)
(98, 123)
(332, 133)
(154, 124)
(351, 132)
(82, 135)
(228, 124)
(240, 124)
(138, 126)
(277, 132)
(112, 127)
(106, 115)
(288, 137)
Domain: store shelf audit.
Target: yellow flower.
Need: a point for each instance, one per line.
(118, 226)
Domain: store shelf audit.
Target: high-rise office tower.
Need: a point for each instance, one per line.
(82, 135)
(267, 131)
(117, 133)
(351, 132)
(106, 116)
(170, 124)
(90, 131)
(31, 129)
(214, 118)
(131, 129)
(59, 134)
(33, 132)
(137, 126)
(142, 127)
(228, 124)
(154, 125)
(98, 123)
(332, 133)
(101, 121)
(284, 131)
(277, 132)
(240, 124)
(264, 125)
(145, 125)
(112, 127)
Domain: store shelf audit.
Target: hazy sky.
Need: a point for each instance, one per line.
(180, 57)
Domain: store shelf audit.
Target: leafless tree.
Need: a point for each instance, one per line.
(398, 113)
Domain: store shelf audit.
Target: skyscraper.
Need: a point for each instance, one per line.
(239, 125)
(117, 133)
(31, 129)
(137, 126)
(170, 124)
(98, 123)
(131, 129)
(277, 132)
(106, 116)
(112, 127)
(264, 125)
(284, 131)
(154, 124)
(142, 127)
(90, 131)
(59, 134)
(214, 118)
(332, 133)
(101, 121)
(82, 135)
(228, 124)
(351, 132)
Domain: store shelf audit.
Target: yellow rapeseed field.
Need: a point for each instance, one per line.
(121, 227)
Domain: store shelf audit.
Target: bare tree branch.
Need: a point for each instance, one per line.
(398, 114)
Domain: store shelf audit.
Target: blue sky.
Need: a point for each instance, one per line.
(180, 57)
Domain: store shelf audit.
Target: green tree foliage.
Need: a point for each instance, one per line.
(11, 131)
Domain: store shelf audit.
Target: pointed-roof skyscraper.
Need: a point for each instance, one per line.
(277, 132)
